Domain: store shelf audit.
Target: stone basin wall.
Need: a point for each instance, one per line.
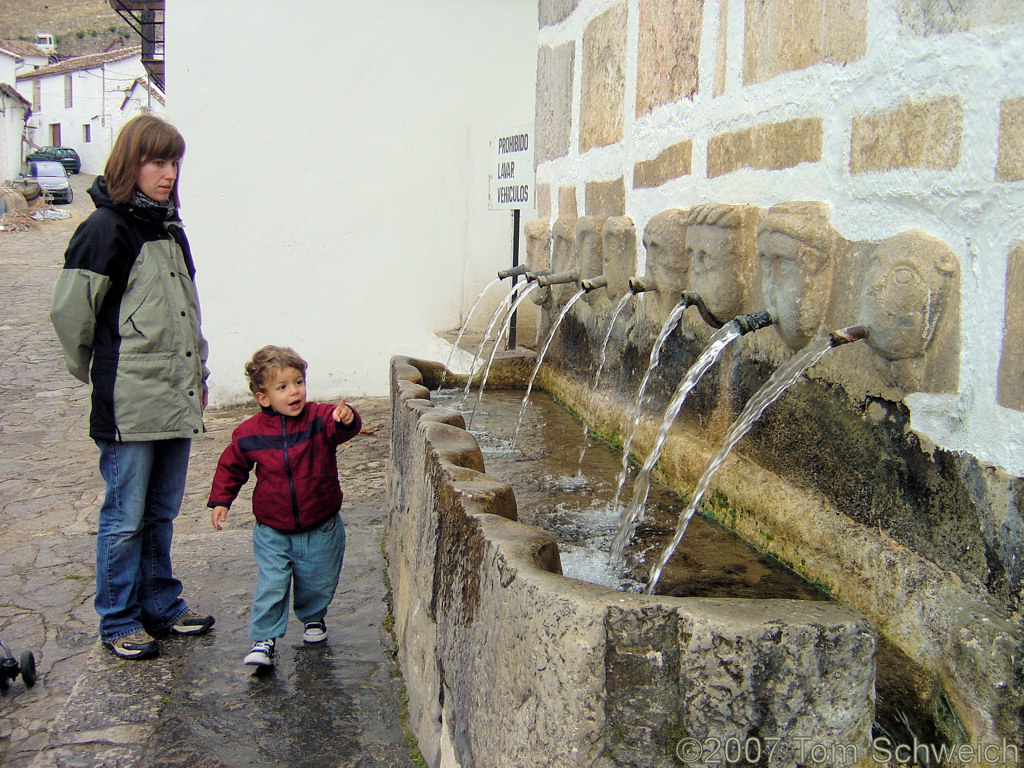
(509, 663)
(834, 483)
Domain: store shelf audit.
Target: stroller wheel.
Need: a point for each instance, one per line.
(28, 668)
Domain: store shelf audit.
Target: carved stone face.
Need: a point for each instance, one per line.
(589, 246)
(563, 246)
(715, 271)
(564, 256)
(904, 293)
(796, 284)
(538, 244)
(668, 266)
(619, 254)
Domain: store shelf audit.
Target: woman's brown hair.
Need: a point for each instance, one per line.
(142, 139)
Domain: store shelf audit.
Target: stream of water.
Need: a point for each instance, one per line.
(505, 326)
(499, 312)
(769, 392)
(638, 403)
(573, 501)
(722, 338)
(600, 365)
(540, 359)
(465, 325)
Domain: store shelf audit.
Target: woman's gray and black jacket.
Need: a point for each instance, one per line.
(126, 312)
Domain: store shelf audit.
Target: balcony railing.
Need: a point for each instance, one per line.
(146, 17)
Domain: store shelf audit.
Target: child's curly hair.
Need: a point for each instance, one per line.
(267, 361)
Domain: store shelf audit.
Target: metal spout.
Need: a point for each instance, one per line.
(516, 271)
(531, 276)
(693, 299)
(846, 335)
(558, 278)
(593, 283)
(637, 285)
(753, 321)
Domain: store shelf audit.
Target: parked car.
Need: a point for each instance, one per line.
(66, 156)
(52, 180)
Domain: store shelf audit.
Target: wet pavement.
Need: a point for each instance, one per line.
(336, 704)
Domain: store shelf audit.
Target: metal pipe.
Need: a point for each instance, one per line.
(637, 285)
(593, 283)
(753, 321)
(693, 299)
(559, 278)
(531, 275)
(846, 335)
(516, 271)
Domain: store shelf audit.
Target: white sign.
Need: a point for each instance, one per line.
(512, 177)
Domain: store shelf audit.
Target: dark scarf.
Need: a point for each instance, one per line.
(144, 201)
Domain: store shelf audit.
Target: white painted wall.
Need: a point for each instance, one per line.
(137, 100)
(12, 120)
(97, 97)
(12, 123)
(30, 62)
(335, 184)
(8, 67)
(979, 218)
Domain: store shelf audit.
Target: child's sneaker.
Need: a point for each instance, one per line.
(137, 645)
(191, 623)
(262, 653)
(314, 632)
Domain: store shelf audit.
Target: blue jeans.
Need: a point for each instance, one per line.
(134, 585)
(311, 559)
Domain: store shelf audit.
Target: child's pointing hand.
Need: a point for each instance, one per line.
(343, 413)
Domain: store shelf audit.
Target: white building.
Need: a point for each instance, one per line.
(80, 102)
(335, 187)
(9, 61)
(14, 110)
(28, 57)
(141, 97)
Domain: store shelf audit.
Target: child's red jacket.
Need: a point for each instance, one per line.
(296, 464)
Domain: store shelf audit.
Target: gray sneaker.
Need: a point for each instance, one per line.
(137, 645)
(191, 623)
(262, 653)
(314, 632)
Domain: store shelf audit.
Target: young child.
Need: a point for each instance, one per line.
(299, 536)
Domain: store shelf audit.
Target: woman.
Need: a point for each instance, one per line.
(126, 312)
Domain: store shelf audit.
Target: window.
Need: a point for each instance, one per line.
(68, 92)
(86, 133)
(37, 94)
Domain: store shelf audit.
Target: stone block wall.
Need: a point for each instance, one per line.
(896, 115)
(885, 119)
(1011, 362)
(508, 663)
(831, 480)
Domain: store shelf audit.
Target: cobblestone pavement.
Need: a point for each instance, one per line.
(338, 704)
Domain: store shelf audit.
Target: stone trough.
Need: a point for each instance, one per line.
(509, 663)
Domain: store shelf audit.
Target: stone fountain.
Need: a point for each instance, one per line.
(507, 662)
